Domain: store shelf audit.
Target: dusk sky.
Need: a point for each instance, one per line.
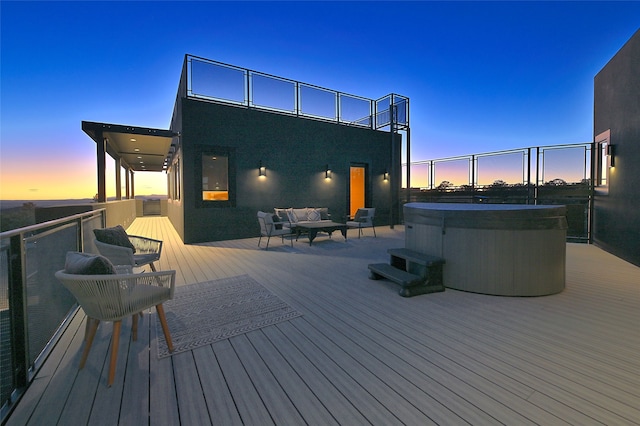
(480, 76)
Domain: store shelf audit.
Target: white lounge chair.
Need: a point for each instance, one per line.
(112, 297)
(123, 249)
(268, 228)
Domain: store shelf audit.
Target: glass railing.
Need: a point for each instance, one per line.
(219, 82)
(34, 306)
(558, 174)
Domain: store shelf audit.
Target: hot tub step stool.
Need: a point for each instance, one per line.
(415, 272)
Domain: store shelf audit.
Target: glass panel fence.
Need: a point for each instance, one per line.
(273, 93)
(355, 110)
(6, 365)
(316, 102)
(501, 169)
(48, 302)
(216, 81)
(34, 306)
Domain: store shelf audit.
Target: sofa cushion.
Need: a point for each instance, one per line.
(301, 214)
(314, 215)
(87, 264)
(116, 236)
(291, 216)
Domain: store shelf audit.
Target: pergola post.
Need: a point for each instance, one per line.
(101, 154)
(133, 191)
(127, 183)
(118, 165)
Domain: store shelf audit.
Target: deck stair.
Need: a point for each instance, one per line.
(415, 272)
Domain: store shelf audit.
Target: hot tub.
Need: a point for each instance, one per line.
(497, 249)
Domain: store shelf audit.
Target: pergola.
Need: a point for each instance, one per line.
(133, 148)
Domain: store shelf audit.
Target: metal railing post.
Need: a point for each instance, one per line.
(19, 358)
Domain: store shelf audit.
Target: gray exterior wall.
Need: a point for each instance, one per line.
(616, 219)
(294, 151)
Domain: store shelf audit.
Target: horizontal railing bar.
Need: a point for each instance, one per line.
(48, 224)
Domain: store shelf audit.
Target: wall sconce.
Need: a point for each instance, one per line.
(611, 152)
(385, 176)
(262, 170)
(327, 172)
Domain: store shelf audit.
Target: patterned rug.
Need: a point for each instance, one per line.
(203, 313)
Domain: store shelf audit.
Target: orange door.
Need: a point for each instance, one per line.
(356, 189)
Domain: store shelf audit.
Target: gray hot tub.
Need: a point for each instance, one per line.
(498, 249)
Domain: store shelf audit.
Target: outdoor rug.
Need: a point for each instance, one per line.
(203, 313)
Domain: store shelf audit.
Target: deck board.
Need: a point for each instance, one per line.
(360, 353)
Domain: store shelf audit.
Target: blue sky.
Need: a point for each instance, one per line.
(480, 76)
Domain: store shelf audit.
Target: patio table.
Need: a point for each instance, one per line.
(312, 229)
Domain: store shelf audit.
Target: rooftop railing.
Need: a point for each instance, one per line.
(558, 174)
(34, 306)
(569, 163)
(218, 82)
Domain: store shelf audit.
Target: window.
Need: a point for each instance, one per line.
(174, 181)
(217, 177)
(603, 164)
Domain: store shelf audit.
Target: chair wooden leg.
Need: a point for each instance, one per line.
(165, 326)
(115, 341)
(87, 328)
(134, 327)
(91, 333)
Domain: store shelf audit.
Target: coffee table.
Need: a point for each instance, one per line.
(312, 229)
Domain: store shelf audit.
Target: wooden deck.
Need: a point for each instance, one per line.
(360, 353)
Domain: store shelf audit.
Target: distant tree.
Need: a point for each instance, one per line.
(556, 182)
(499, 183)
(444, 185)
(17, 217)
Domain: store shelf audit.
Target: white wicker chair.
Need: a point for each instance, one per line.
(269, 229)
(148, 251)
(363, 219)
(114, 297)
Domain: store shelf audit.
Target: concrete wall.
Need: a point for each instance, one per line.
(117, 212)
(294, 151)
(616, 220)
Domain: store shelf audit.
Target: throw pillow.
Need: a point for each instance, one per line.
(87, 264)
(292, 217)
(314, 215)
(301, 214)
(116, 236)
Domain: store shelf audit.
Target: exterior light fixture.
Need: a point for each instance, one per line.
(385, 176)
(327, 172)
(262, 170)
(611, 152)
